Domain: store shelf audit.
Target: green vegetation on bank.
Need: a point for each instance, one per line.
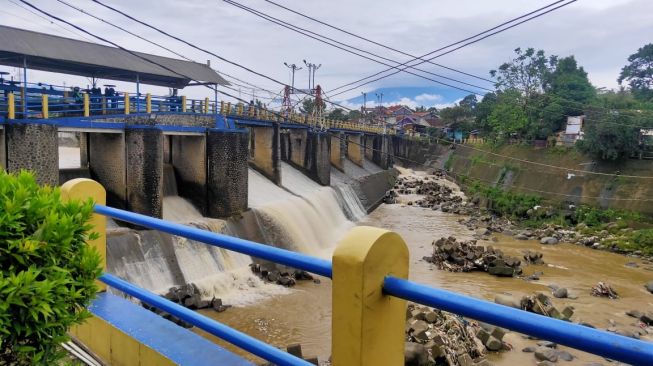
(624, 230)
(535, 93)
(47, 271)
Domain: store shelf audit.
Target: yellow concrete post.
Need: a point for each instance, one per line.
(250, 111)
(104, 105)
(240, 109)
(222, 107)
(148, 103)
(11, 106)
(83, 189)
(368, 326)
(126, 103)
(206, 105)
(228, 108)
(183, 103)
(44, 106)
(87, 105)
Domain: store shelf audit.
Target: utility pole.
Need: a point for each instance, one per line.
(294, 68)
(315, 67)
(364, 102)
(379, 97)
(311, 73)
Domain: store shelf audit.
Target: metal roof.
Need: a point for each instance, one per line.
(69, 56)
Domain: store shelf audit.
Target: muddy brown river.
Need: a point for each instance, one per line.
(304, 315)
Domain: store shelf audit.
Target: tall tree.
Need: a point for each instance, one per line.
(527, 72)
(611, 136)
(508, 117)
(338, 114)
(639, 73)
(308, 106)
(569, 83)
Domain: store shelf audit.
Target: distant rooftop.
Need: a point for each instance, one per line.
(69, 56)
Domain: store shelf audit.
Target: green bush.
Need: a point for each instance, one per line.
(47, 271)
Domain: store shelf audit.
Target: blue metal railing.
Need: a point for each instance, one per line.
(583, 338)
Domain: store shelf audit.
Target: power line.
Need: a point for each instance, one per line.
(49, 21)
(322, 39)
(377, 43)
(471, 39)
(153, 43)
(197, 47)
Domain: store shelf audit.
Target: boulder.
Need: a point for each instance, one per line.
(565, 356)
(493, 344)
(546, 354)
(560, 293)
(548, 240)
(649, 286)
(529, 349)
(415, 354)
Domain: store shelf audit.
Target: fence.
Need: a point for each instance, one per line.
(43, 104)
(369, 271)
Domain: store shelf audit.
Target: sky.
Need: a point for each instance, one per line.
(601, 34)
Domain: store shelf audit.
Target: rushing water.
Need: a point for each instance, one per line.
(304, 315)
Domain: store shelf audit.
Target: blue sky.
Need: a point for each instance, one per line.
(412, 96)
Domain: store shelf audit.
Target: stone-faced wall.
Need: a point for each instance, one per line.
(227, 154)
(83, 149)
(338, 150)
(3, 150)
(266, 152)
(144, 157)
(355, 148)
(318, 163)
(34, 147)
(188, 156)
(106, 161)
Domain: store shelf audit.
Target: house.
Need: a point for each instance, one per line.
(573, 131)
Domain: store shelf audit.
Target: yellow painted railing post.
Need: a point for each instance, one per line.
(44, 106)
(222, 107)
(240, 109)
(126, 103)
(228, 108)
(368, 326)
(183, 103)
(83, 189)
(11, 106)
(206, 105)
(148, 103)
(87, 105)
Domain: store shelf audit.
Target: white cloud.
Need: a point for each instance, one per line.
(428, 97)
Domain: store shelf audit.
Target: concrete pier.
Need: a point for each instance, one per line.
(33, 147)
(318, 155)
(144, 167)
(369, 141)
(265, 151)
(226, 155)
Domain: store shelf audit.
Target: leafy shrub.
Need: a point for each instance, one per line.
(505, 203)
(47, 271)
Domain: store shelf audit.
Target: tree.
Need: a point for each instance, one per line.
(482, 113)
(610, 136)
(308, 106)
(47, 271)
(338, 114)
(457, 117)
(527, 72)
(354, 115)
(639, 73)
(420, 109)
(508, 117)
(469, 102)
(569, 82)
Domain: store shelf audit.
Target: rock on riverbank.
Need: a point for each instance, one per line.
(465, 256)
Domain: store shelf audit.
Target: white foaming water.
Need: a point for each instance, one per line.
(179, 209)
(261, 191)
(350, 202)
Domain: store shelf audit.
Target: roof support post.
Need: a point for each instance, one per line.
(138, 94)
(24, 96)
(11, 106)
(126, 103)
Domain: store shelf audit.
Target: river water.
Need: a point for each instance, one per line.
(304, 315)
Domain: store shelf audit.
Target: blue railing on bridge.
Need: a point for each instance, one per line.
(360, 254)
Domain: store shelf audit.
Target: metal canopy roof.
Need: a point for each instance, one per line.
(69, 56)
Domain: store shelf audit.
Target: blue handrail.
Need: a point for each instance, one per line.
(277, 255)
(219, 330)
(583, 338)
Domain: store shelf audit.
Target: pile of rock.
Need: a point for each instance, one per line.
(437, 195)
(437, 337)
(465, 256)
(603, 289)
(279, 274)
(542, 304)
(533, 257)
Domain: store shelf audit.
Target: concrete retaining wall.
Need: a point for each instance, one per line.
(188, 156)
